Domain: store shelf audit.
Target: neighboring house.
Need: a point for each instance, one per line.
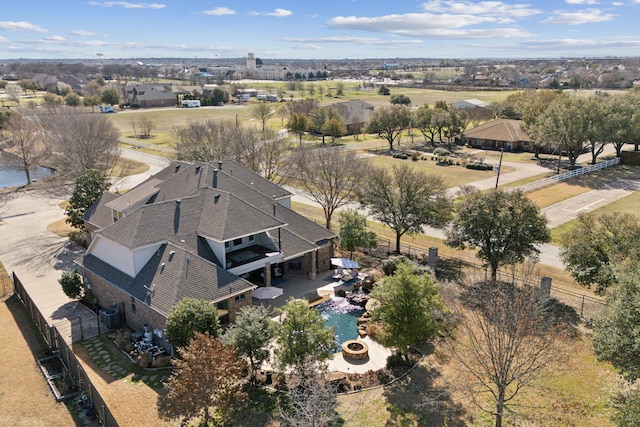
(355, 114)
(500, 133)
(469, 104)
(149, 95)
(209, 231)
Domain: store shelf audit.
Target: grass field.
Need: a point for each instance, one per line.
(452, 175)
(168, 118)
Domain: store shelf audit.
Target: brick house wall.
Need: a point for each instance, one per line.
(108, 294)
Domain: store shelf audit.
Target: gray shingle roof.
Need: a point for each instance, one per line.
(99, 214)
(172, 273)
(211, 213)
(138, 194)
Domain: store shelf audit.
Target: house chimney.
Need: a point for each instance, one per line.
(215, 178)
(177, 168)
(178, 202)
(220, 164)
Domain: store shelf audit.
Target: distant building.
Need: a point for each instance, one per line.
(469, 103)
(501, 133)
(355, 114)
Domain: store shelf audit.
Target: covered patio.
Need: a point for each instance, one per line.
(300, 286)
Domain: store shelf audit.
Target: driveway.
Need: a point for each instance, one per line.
(39, 257)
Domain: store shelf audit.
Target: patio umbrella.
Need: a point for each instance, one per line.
(267, 292)
(344, 263)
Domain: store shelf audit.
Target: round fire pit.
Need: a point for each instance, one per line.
(355, 350)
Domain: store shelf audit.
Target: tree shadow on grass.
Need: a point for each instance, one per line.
(260, 409)
(422, 395)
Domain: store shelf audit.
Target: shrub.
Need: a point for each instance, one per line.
(441, 152)
(395, 361)
(373, 329)
(390, 264)
(479, 166)
(71, 284)
(415, 156)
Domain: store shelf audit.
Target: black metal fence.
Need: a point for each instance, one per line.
(450, 268)
(58, 344)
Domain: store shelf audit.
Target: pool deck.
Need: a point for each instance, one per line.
(323, 287)
(377, 359)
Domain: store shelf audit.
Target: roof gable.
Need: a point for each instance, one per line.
(499, 130)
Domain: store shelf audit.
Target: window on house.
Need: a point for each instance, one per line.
(222, 305)
(133, 304)
(117, 215)
(251, 238)
(239, 298)
(237, 242)
(226, 245)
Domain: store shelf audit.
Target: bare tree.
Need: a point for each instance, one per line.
(81, 141)
(262, 111)
(331, 177)
(275, 151)
(14, 93)
(23, 135)
(311, 401)
(204, 141)
(146, 124)
(508, 340)
(283, 113)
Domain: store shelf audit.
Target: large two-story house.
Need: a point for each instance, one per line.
(212, 231)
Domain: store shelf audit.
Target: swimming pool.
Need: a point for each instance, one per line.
(338, 312)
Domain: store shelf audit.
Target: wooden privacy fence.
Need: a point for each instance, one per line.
(58, 345)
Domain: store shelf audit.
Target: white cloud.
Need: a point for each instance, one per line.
(586, 16)
(219, 11)
(21, 26)
(82, 33)
(495, 8)
(4, 40)
(587, 44)
(428, 25)
(352, 40)
(128, 5)
(582, 2)
(56, 39)
(278, 13)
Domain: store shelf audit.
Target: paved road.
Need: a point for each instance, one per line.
(557, 214)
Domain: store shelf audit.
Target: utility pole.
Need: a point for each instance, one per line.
(499, 167)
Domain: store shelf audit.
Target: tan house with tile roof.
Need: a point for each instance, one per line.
(205, 230)
(500, 133)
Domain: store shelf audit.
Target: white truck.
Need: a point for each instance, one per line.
(190, 103)
(106, 108)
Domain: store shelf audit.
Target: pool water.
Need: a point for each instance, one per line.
(343, 315)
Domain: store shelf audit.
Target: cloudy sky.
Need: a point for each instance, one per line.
(319, 28)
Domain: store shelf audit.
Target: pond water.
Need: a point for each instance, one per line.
(343, 315)
(12, 175)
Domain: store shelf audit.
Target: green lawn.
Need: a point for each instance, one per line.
(452, 175)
